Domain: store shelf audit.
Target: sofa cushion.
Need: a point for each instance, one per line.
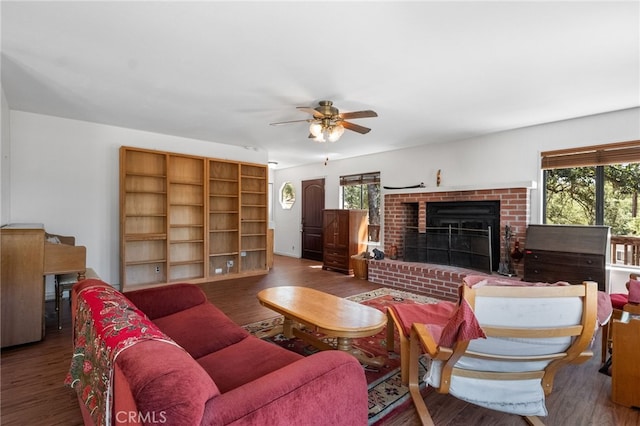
(153, 371)
(618, 300)
(159, 302)
(245, 361)
(634, 291)
(201, 330)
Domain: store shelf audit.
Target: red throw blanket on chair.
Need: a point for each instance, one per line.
(106, 323)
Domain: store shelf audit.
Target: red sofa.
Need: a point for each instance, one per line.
(220, 374)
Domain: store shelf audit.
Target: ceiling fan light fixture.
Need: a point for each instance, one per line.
(316, 129)
(335, 132)
(328, 125)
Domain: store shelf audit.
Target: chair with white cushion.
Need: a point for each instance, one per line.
(531, 332)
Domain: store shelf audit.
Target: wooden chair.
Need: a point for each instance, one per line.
(400, 317)
(618, 301)
(531, 332)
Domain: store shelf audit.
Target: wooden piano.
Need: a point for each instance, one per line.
(28, 255)
(64, 257)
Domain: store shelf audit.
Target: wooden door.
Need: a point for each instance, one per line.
(312, 206)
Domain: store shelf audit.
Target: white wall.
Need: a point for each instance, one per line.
(5, 164)
(506, 157)
(65, 174)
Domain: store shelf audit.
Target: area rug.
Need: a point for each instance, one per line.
(387, 394)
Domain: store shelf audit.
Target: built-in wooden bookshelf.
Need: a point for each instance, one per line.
(186, 218)
(224, 217)
(253, 217)
(190, 219)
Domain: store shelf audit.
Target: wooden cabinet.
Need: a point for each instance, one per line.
(190, 219)
(567, 253)
(625, 371)
(22, 286)
(344, 234)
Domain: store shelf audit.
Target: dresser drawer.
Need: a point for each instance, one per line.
(551, 258)
(591, 261)
(574, 268)
(553, 273)
(336, 252)
(336, 261)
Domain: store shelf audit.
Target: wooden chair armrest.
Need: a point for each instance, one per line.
(429, 345)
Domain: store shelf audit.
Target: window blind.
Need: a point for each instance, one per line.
(596, 155)
(360, 179)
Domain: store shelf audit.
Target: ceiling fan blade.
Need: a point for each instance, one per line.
(289, 122)
(358, 114)
(355, 127)
(311, 111)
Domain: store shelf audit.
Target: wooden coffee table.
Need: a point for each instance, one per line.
(327, 314)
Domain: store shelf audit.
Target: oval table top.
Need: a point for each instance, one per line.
(329, 314)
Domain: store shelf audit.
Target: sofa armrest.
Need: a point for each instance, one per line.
(159, 302)
(328, 387)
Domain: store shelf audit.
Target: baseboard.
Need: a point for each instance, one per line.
(295, 256)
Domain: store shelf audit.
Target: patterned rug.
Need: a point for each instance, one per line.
(387, 394)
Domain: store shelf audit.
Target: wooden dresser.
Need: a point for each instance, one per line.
(344, 234)
(569, 253)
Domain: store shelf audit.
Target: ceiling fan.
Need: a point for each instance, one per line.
(328, 123)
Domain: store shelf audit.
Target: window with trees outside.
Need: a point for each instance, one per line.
(597, 185)
(362, 191)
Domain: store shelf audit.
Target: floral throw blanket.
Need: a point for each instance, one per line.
(106, 323)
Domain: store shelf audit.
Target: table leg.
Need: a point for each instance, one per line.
(269, 333)
(286, 328)
(346, 344)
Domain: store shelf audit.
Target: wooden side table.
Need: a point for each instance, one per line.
(625, 369)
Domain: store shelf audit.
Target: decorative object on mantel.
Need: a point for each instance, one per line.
(393, 252)
(506, 265)
(421, 185)
(377, 254)
(438, 178)
(516, 253)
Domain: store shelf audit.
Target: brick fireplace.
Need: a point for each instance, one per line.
(410, 209)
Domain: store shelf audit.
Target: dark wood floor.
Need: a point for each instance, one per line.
(32, 375)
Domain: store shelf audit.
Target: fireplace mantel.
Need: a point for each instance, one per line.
(530, 184)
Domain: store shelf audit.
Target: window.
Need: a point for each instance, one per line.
(362, 191)
(287, 195)
(597, 186)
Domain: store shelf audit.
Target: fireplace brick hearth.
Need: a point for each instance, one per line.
(409, 209)
(439, 281)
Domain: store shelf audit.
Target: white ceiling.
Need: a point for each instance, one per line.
(222, 71)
